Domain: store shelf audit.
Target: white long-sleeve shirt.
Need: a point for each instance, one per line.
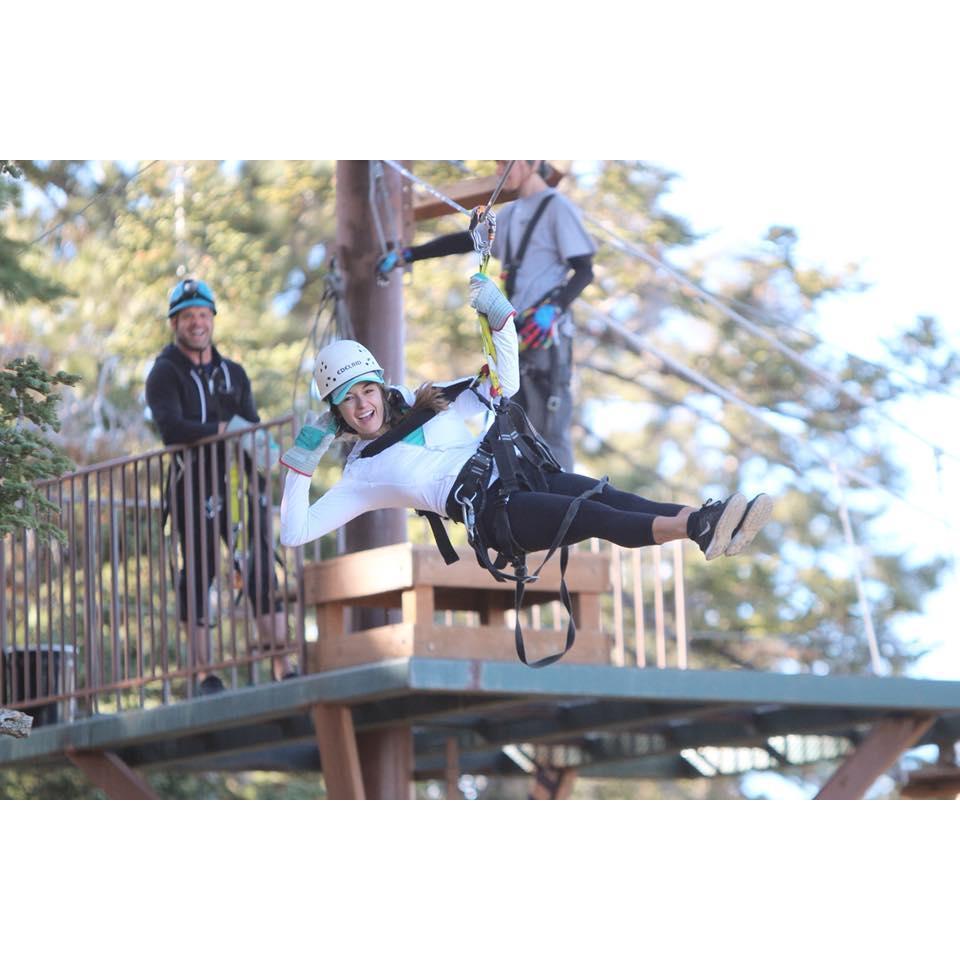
(405, 474)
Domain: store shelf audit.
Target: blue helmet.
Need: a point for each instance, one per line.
(190, 293)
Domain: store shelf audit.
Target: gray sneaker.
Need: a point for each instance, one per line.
(712, 526)
(755, 516)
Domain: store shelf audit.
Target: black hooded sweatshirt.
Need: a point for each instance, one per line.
(188, 404)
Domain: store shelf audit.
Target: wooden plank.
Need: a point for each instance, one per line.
(107, 771)
(364, 573)
(339, 756)
(588, 572)
(885, 742)
(372, 574)
(386, 759)
(388, 642)
(468, 193)
(932, 783)
(455, 643)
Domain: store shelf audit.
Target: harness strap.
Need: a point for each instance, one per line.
(511, 266)
(414, 420)
(440, 536)
(568, 519)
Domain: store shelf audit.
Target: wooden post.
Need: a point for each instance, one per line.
(338, 751)
(553, 783)
(639, 633)
(386, 758)
(616, 578)
(376, 314)
(658, 608)
(108, 772)
(885, 742)
(453, 769)
(679, 604)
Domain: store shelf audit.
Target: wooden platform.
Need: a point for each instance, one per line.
(414, 581)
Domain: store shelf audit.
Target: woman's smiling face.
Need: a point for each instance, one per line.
(362, 409)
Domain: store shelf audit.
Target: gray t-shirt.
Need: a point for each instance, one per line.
(558, 235)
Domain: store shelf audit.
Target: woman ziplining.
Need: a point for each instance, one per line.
(414, 450)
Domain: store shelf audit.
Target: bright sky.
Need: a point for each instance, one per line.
(884, 196)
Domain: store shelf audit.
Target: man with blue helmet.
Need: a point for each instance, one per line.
(194, 393)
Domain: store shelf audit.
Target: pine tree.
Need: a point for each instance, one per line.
(28, 399)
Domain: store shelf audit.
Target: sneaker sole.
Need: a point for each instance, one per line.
(753, 522)
(731, 516)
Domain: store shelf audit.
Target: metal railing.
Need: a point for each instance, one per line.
(106, 621)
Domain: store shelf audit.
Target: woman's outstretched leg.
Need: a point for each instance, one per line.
(630, 520)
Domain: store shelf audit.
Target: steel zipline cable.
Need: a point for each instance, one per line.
(99, 196)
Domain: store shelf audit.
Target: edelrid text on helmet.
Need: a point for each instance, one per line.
(342, 361)
(190, 293)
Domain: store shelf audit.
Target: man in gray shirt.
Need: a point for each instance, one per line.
(547, 258)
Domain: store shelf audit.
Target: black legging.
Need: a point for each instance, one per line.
(615, 516)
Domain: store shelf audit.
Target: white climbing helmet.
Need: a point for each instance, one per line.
(341, 364)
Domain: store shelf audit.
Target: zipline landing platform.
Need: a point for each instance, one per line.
(500, 718)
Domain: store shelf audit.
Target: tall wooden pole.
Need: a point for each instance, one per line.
(376, 313)
(386, 757)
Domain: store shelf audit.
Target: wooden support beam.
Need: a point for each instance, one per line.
(339, 756)
(107, 771)
(553, 783)
(452, 769)
(469, 194)
(932, 783)
(885, 742)
(386, 758)
(417, 605)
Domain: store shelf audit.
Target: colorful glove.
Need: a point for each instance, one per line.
(392, 260)
(486, 298)
(311, 444)
(537, 325)
(267, 451)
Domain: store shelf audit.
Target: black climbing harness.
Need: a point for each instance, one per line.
(522, 459)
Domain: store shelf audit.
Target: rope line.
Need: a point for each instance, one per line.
(824, 377)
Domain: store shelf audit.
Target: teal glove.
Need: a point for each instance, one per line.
(486, 298)
(311, 444)
(267, 451)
